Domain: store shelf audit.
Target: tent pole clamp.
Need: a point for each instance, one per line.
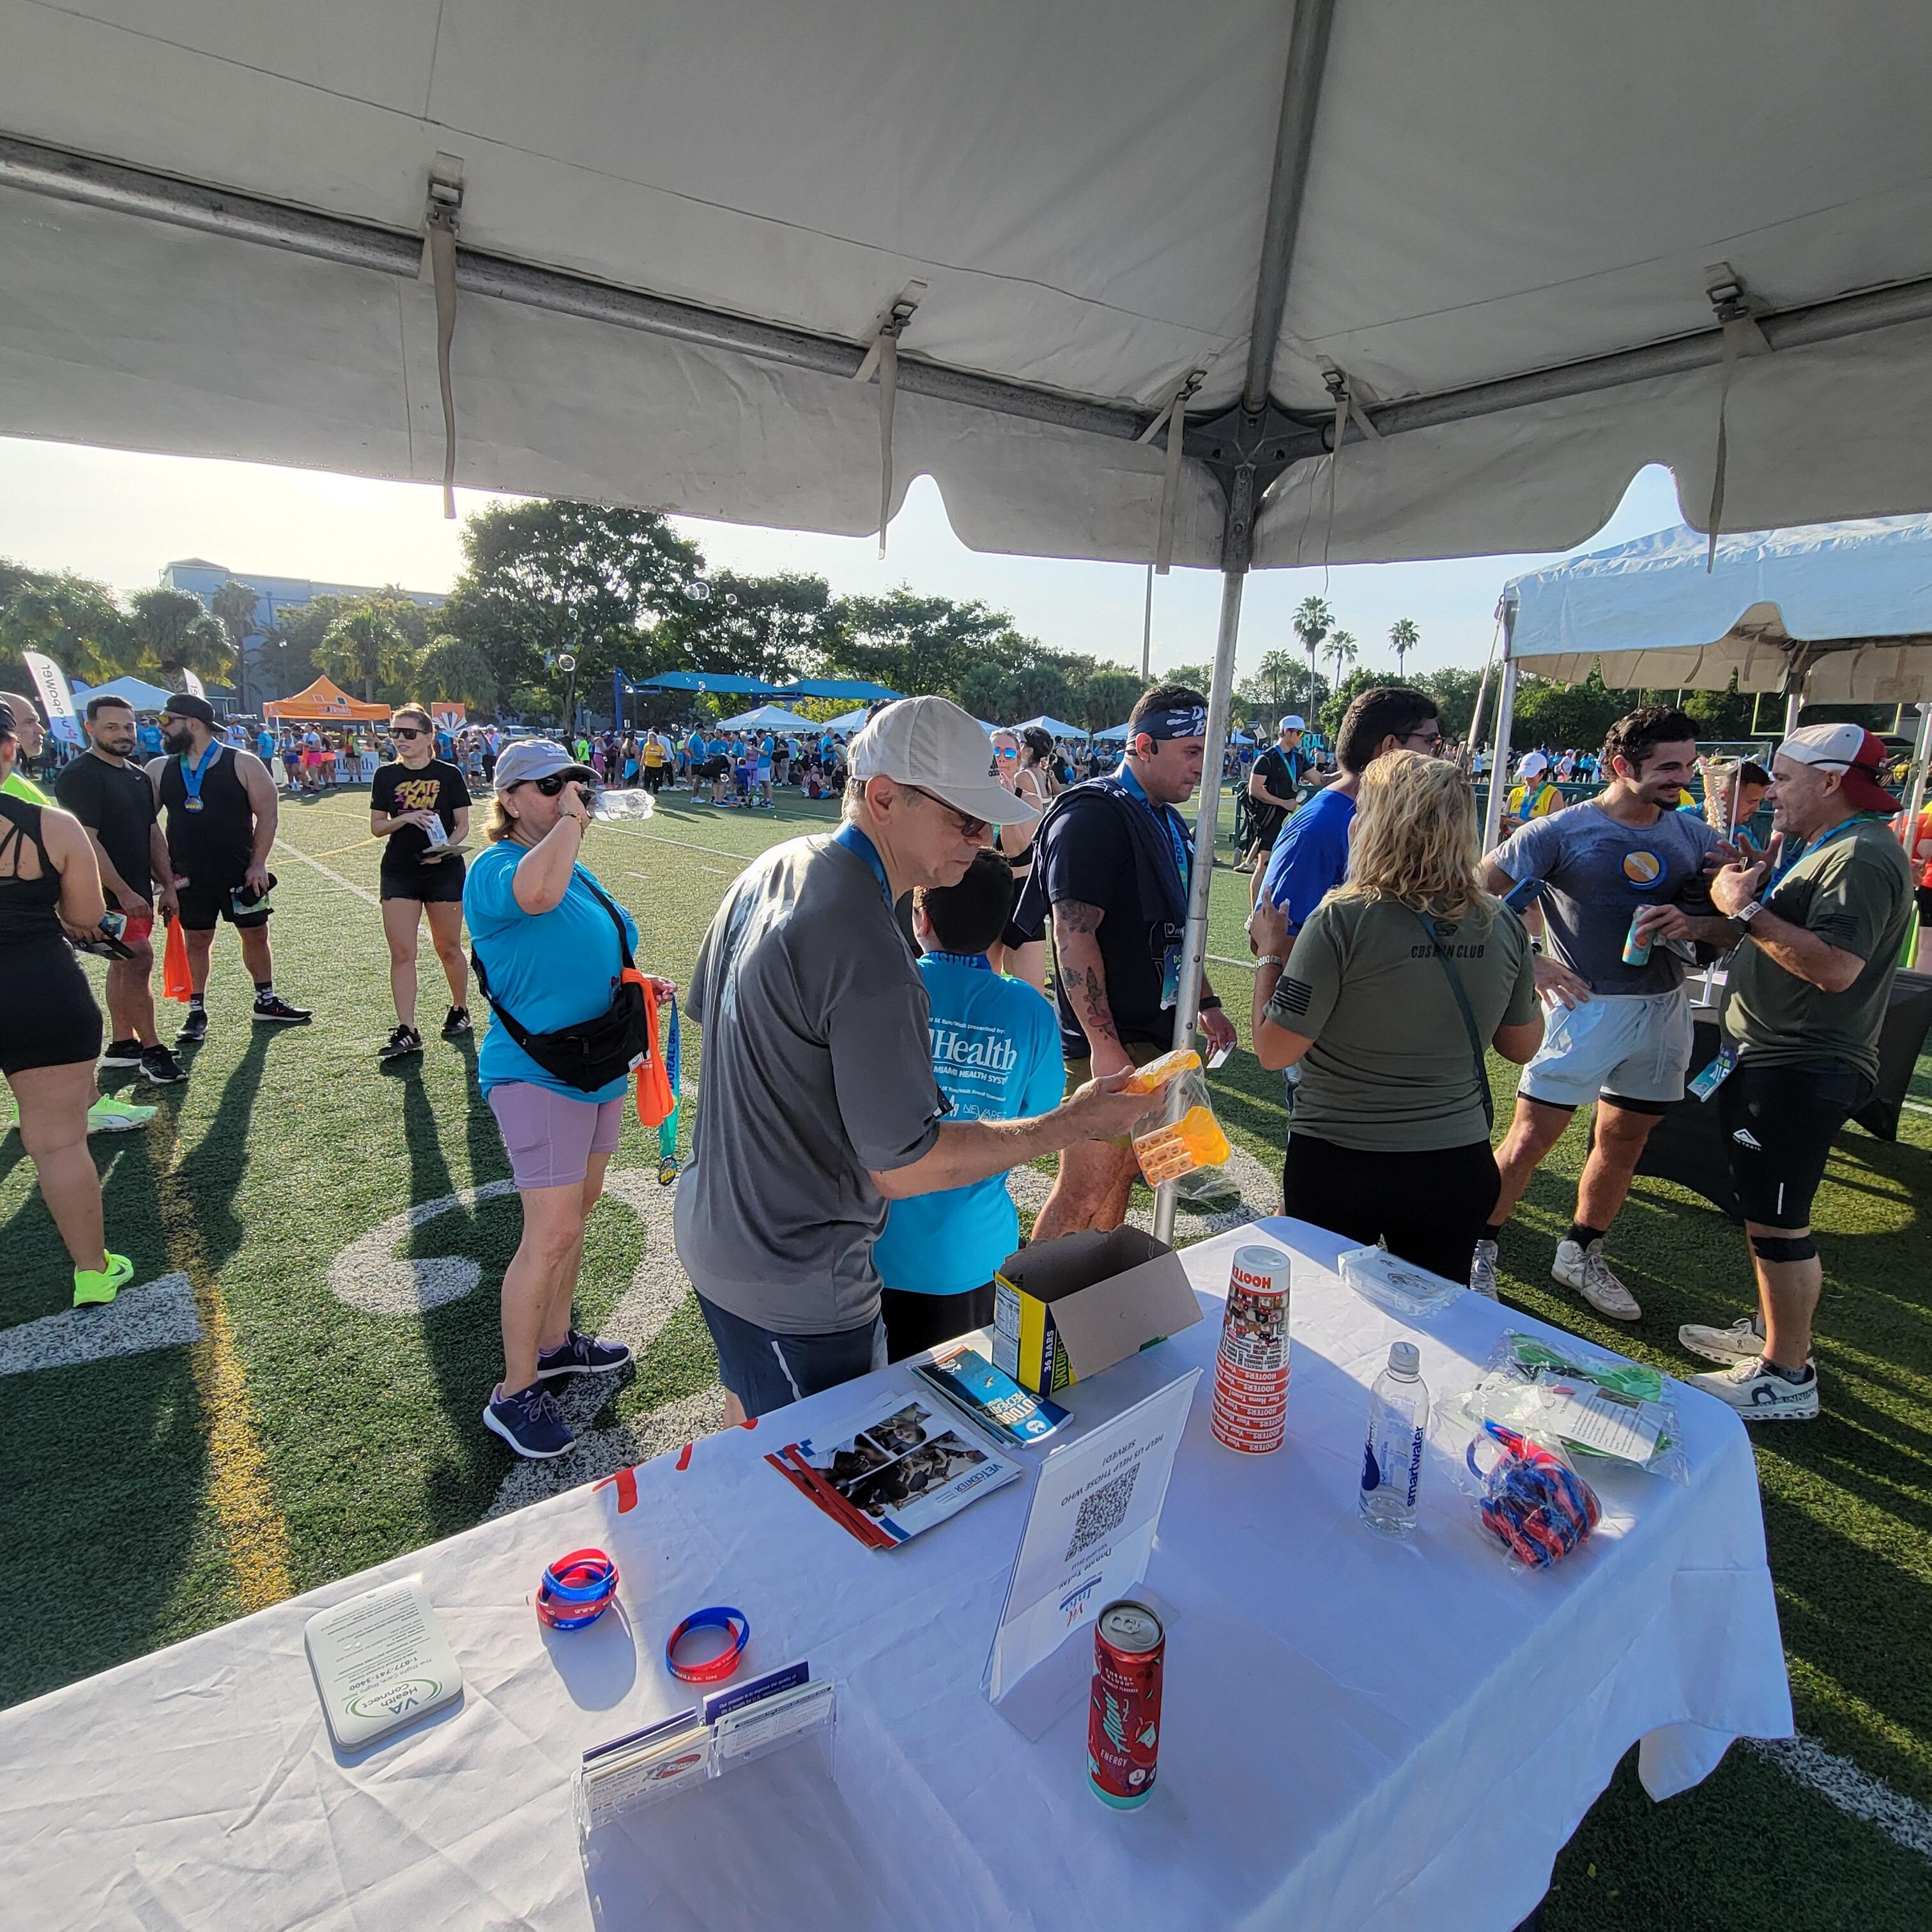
(1245, 450)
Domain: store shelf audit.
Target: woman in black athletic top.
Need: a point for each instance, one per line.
(49, 1026)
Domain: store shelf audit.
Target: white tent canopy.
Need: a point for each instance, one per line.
(1056, 727)
(136, 692)
(766, 718)
(1845, 608)
(848, 722)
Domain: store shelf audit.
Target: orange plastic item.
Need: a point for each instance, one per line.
(1196, 1140)
(1156, 1073)
(655, 1099)
(175, 984)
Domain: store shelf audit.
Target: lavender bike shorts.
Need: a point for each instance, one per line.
(550, 1137)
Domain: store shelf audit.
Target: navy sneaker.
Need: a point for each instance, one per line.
(529, 1421)
(194, 1028)
(582, 1355)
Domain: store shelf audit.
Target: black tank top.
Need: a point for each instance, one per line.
(212, 846)
(29, 907)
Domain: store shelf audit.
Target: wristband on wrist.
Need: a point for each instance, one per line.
(1271, 959)
(1211, 1004)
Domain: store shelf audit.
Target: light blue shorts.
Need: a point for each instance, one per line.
(1623, 1047)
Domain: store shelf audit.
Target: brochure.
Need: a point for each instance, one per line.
(897, 1468)
(380, 1661)
(991, 1397)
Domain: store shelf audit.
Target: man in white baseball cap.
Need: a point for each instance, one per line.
(1809, 984)
(1273, 784)
(818, 1105)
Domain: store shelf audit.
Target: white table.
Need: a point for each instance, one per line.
(1358, 1734)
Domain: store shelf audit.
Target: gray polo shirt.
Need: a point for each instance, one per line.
(817, 1067)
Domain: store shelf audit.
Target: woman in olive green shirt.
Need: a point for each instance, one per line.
(1395, 983)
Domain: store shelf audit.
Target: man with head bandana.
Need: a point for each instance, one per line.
(1111, 876)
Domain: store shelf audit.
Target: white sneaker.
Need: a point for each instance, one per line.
(1743, 1341)
(1759, 1394)
(1482, 1270)
(1586, 1271)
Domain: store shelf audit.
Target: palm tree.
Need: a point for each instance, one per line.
(364, 643)
(1342, 653)
(234, 604)
(176, 633)
(452, 667)
(1313, 621)
(1404, 637)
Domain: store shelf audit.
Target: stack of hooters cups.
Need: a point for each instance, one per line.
(1251, 1370)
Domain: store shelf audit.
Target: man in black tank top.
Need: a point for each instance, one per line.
(220, 809)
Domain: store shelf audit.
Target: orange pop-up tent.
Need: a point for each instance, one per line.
(324, 703)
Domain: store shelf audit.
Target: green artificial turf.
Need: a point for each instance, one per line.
(305, 1440)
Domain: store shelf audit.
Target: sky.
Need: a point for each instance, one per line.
(121, 516)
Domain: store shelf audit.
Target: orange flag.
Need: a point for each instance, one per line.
(175, 984)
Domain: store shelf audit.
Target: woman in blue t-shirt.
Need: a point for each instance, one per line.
(546, 936)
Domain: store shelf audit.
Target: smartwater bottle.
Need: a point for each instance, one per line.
(607, 805)
(1392, 1462)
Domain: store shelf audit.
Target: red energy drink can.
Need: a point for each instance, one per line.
(1123, 1713)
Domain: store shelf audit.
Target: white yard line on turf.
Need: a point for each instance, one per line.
(328, 872)
(1806, 1762)
(660, 838)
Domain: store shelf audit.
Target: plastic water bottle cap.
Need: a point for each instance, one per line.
(1404, 1359)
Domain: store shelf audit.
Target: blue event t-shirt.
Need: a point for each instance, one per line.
(1310, 858)
(551, 969)
(996, 1056)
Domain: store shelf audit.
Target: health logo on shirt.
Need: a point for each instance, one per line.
(1642, 869)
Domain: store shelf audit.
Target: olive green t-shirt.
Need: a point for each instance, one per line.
(1391, 1070)
(1854, 893)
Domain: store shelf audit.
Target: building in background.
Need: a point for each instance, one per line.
(277, 598)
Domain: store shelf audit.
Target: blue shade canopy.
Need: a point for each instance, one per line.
(716, 683)
(840, 687)
(1846, 607)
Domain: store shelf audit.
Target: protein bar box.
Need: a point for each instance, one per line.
(1070, 1308)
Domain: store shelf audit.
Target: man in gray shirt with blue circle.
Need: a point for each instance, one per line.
(1619, 1030)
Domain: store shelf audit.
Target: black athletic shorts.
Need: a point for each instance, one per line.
(1922, 895)
(205, 903)
(1430, 1207)
(47, 1014)
(1779, 1123)
(916, 1322)
(439, 884)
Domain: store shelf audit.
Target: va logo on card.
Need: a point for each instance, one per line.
(1074, 1603)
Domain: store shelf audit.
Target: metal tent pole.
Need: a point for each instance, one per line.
(1921, 750)
(1147, 629)
(1493, 810)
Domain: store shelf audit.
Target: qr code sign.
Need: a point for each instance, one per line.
(1103, 1513)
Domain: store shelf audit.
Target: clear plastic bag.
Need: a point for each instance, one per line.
(1584, 1401)
(1398, 1287)
(1529, 1501)
(1181, 1134)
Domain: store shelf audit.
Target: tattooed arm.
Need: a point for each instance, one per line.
(1076, 949)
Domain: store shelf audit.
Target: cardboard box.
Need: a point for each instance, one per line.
(1068, 1309)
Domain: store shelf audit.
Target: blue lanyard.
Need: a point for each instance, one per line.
(1165, 818)
(1817, 845)
(853, 840)
(974, 962)
(192, 774)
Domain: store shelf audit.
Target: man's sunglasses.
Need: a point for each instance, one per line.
(969, 827)
(407, 731)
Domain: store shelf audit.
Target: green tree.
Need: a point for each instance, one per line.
(72, 619)
(610, 587)
(1039, 691)
(1275, 681)
(1403, 638)
(1197, 676)
(1342, 652)
(919, 644)
(453, 668)
(235, 606)
(1564, 715)
(1106, 698)
(366, 646)
(1352, 687)
(776, 628)
(1454, 688)
(173, 633)
(1313, 621)
(1722, 714)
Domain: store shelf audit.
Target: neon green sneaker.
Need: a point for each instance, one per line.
(94, 1287)
(109, 1116)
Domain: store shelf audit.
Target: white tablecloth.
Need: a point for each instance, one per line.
(1357, 1733)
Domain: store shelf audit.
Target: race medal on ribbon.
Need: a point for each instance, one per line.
(191, 803)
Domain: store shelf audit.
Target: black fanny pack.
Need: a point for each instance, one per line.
(593, 1053)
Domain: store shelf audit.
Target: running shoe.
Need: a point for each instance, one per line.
(160, 1068)
(404, 1041)
(1590, 1275)
(1743, 1341)
(1482, 1270)
(529, 1421)
(581, 1355)
(194, 1028)
(122, 1053)
(458, 1026)
(1759, 1393)
(95, 1288)
(275, 1010)
(109, 1116)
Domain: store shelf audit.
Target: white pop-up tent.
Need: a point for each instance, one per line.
(1834, 613)
(1274, 281)
(766, 718)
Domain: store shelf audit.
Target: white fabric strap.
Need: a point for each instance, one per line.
(1742, 337)
(442, 214)
(882, 355)
(1174, 419)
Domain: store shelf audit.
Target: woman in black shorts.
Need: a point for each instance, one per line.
(49, 1025)
(422, 873)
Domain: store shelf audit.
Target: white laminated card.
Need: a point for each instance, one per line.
(380, 1661)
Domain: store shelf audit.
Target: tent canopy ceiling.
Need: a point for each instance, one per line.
(1847, 606)
(1083, 195)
